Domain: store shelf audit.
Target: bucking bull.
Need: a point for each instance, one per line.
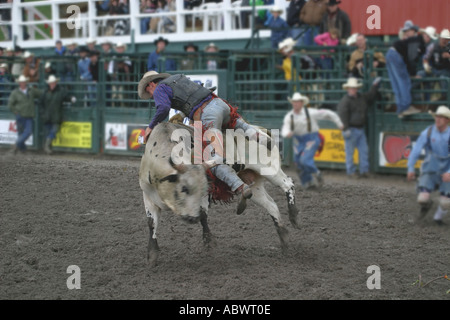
(186, 190)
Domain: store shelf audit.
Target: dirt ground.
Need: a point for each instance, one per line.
(63, 210)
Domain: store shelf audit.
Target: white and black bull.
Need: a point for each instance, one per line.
(184, 188)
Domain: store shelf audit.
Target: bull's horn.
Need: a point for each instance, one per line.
(209, 164)
(181, 167)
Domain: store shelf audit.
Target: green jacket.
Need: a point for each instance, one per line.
(22, 104)
(52, 103)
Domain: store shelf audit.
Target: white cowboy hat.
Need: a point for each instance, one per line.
(4, 65)
(286, 45)
(22, 78)
(352, 83)
(442, 111)
(28, 54)
(91, 40)
(146, 79)
(445, 34)
(121, 45)
(211, 45)
(298, 97)
(430, 31)
(48, 64)
(352, 39)
(51, 79)
(276, 9)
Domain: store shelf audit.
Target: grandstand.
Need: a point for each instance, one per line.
(247, 75)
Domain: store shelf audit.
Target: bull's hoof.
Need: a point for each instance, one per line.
(152, 258)
(242, 205)
(284, 237)
(295, 221)
(209, 240)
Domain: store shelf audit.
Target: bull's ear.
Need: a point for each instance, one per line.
(209, 164)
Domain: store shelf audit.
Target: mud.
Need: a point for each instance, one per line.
(64, 210)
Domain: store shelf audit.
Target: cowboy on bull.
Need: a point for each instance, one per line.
(198, 104)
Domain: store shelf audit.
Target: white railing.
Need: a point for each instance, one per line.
(208, 22)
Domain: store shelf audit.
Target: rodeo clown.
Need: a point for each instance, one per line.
(301, 124)
(199, 104)
(435, 169)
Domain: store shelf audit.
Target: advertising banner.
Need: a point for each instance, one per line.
(395, 149)
(8, 133)
(74, 135)
(334, 147)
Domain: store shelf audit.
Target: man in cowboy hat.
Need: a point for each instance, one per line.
(352, 110)
(440, 62)
(21, 103)
(31, 69)
(52, 103)
(301, 124)
(279, 27)
(153, 64)
(435, 169)
(336, 18)
(199, 104)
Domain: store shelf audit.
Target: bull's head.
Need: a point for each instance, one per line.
(187, 190)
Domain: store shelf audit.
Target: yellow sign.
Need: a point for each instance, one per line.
(74, 135)
(334, 147)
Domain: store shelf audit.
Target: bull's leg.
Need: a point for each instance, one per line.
(264, 200)
(152, 213)
(208, 238)
(287, 185)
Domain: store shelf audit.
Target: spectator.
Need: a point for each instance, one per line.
(435, 168)
(161, 24)
(336, 18)
(120, 69)
(147, 6)
(106, 55)
(352, 110)
(212, 57)
(48, 70)
(117, 27)
(85, 75)
(401, 61)
(52, 101)
(60, 65)
(5, 81)
(297, 29)
(279, 27)
(71, 53)
(439, 64)
(91, 44)
(312, 15)
(329, 39)
(18, 65)
(301, 124)
(5, 17)
(153, 64)
(189, 62)
(356, 64)
(286, 48)
(21, 103)
(31, 69)
(94, 71)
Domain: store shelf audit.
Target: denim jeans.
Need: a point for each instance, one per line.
(430, 181)
(305, 148)
(304, 35)
(400, 79)
(214, 115)
(356, 140)
(51, 130)
(25, 129)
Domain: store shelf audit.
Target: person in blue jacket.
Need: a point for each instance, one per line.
(435, 168)
(153, 64)
(279, 27)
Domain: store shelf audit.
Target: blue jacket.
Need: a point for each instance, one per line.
(83, 68)
(437, 157)
(153, 65)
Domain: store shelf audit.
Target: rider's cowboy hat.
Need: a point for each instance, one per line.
(298, 97)
(430, 31)
(148, 77)
(52, 79)
(442, 111)
(352, 83)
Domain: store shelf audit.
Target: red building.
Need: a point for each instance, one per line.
(391, 15)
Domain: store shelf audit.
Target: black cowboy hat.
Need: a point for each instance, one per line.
(161, 39)
(334, 2)
(191, 44)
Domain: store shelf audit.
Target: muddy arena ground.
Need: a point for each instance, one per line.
(83, 210)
